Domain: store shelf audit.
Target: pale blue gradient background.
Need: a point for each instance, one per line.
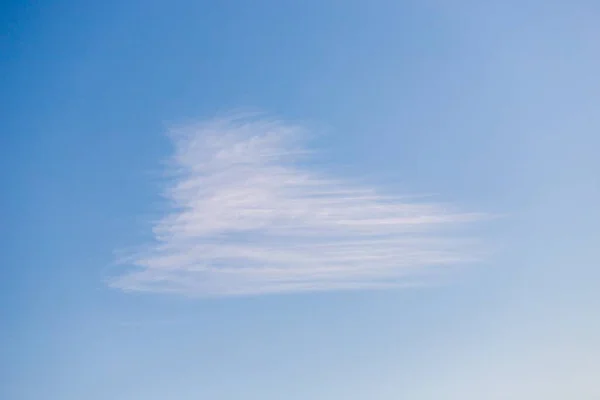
(490, 105)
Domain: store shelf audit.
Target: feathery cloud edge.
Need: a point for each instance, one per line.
(247, 216)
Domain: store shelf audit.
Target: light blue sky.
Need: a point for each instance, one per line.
(490, 107)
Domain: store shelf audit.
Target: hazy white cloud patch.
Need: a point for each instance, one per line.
(248, 215)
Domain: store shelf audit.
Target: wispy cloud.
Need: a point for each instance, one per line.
(248, 215)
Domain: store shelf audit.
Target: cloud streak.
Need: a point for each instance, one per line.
(247, 215)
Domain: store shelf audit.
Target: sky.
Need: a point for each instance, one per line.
(299, 200)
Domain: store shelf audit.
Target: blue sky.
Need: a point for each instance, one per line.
(299, 200)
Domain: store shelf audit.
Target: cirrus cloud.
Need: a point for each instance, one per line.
(247, 215)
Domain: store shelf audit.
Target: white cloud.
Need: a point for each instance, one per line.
(248, 216)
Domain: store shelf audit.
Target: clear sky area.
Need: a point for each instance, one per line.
(303, 200)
